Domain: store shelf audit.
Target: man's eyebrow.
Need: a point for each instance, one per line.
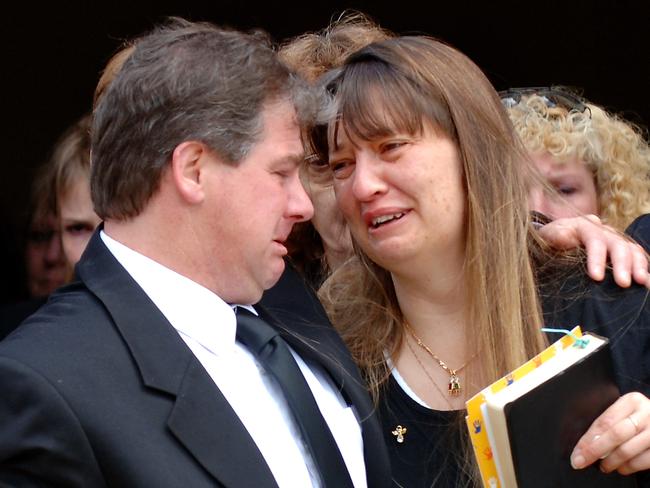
(295, 159)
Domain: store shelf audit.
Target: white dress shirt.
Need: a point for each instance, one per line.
(207, 324)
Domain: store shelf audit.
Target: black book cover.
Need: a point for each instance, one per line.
(545, 424)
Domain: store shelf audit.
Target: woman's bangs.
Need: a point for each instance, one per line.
(374, 102)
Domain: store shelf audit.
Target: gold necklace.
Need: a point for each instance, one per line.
(431, 380)
(454, 387)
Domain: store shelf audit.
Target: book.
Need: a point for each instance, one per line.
(524, 426)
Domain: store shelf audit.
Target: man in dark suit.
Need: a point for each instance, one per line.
(133, 375)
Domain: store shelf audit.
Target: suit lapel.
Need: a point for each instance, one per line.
(201, 418)
(209, 428)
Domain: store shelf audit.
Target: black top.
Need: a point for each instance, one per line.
(639, 230)
(429, 453)
(621, 315)
(428, 456)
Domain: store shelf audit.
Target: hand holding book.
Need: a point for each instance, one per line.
(560, 409)
(619, 437)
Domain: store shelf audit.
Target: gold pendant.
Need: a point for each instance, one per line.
(454, 385)
(399, 433)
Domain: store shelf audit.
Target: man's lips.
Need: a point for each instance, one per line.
(281, 243)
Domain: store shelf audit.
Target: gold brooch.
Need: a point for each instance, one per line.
(399, 433)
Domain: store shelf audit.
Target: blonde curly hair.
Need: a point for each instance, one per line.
(614, 149)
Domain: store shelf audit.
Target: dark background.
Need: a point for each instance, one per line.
(53, 56)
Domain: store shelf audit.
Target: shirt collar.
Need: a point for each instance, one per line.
(192, 309)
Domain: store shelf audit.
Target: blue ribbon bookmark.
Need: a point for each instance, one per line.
(580, 342)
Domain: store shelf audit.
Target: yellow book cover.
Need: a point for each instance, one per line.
(474, 418)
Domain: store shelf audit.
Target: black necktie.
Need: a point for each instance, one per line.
(273, 353)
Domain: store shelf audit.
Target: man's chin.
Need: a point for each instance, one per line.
(275, 273)
(267, 280)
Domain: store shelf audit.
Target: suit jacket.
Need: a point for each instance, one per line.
(13, 314)
(100, 390)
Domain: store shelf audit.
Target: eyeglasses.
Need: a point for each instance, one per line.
(316, 162)
(553, 96)
(538, 219)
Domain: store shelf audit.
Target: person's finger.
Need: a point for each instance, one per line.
(621, 257)
(611, 429)
(627, 450)
(593, 218)
(601, 242)
(638, 463)
(640, 266)
(597, 250)
(561, 233)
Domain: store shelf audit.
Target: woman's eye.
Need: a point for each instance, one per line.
(341, 169)
(78, 229)
(391, 146)
(567, 190)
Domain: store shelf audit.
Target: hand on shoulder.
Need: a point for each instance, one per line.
(628, 259)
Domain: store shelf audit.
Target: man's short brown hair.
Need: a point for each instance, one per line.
(183, 81)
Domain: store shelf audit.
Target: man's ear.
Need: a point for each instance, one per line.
(188, 160)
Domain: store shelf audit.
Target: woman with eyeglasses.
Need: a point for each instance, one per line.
(441, 298)
(594, 162)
